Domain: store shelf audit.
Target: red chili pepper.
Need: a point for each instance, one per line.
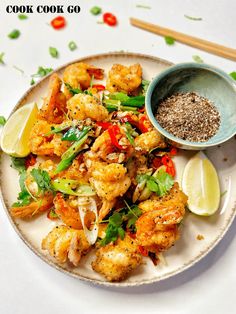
(132, 235)
(173, 151)
(113, 131)
(142, 250)
(168, 162)
(141, 110)
(104, 125)
(109, 19)
(58, 22)
(144, 124)
(156, 163)
(30, 160)
(99, 87)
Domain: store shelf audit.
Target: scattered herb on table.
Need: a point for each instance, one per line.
(40, 73)
(109, 19)
(53, 52)
(58, 22)
(100, 22)
(18, 69)
(197, 59)
(22, 17)
(2, 120)
(233, 75)
(14, 34)
(95, 10)
(142, 6)
(193, 18)
(169, 40)
(1, 58)
(72, 45)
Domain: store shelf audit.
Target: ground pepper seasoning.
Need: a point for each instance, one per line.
(189, 116)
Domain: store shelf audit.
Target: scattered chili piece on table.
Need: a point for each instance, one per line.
(58, 22)
(109, 19)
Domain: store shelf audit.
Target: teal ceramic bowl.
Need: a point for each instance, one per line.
(208, 82)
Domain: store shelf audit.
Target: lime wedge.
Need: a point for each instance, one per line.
(201, 184)
(16, 131)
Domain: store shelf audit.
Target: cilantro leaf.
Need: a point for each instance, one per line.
(24, 198)
(42, 179)
(2, 120)
(14, 34)
(53, 52)
(169, 40)
(72, 45)
(134, 212)
(1, 58)
(233, 75)
(114, 229)
(18, 164)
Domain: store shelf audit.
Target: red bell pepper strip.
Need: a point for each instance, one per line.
(58, 22)
(109, 19)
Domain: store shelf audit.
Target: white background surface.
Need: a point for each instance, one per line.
(27, 284)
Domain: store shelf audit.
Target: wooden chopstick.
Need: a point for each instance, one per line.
(202, 44)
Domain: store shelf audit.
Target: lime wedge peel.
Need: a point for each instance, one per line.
(15, 134)
(200, 183)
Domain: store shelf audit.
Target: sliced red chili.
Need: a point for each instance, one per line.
(113, 131)
(99, 87)
(104, 125)
(144, 124)
(58, 22)
(97, 73)
(141, 124)
(142, 250)
(173, 151)
(30, 160)
(170, 167)
(109, 19)
(156, 163)
(141, 110)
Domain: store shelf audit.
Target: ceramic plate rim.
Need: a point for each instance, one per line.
(184, 267)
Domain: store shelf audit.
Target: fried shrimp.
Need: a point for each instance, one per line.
(54, 106)
(124, 79)
(67, 210)
(66, 244)
(35, 207)
(79, 75)
(83, 106)
(149, 140)
(116, 261)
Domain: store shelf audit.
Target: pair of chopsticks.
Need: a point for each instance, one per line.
(202, 44)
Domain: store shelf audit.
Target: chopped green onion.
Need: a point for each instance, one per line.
(2, 120)
(169, 40)
(1, 58)
(142, 6)
(72, 187)
(18, 69)
(53, 52)
(95, 10)
(192, 18)
(14, 34)
(197, 59)
(72, 45)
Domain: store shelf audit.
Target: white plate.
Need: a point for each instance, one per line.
(188, 250)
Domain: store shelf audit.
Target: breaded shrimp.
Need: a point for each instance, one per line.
(54, 106)
(79, 75)
(124, 78)
(35, 207)
(116, 261)
(67, 210)
(83, 106)
(66, 244)
(149, 140)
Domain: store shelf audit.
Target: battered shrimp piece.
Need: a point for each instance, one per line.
(35, 207)
(59, 146)
(149, 140)
(116, 261)
(79, 75)
(110, 181)
(66, 244)
(124, 78)
(54, 106)
(67, 210)
(82, 106)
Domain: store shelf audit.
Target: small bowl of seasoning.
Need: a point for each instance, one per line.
(193, 105)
